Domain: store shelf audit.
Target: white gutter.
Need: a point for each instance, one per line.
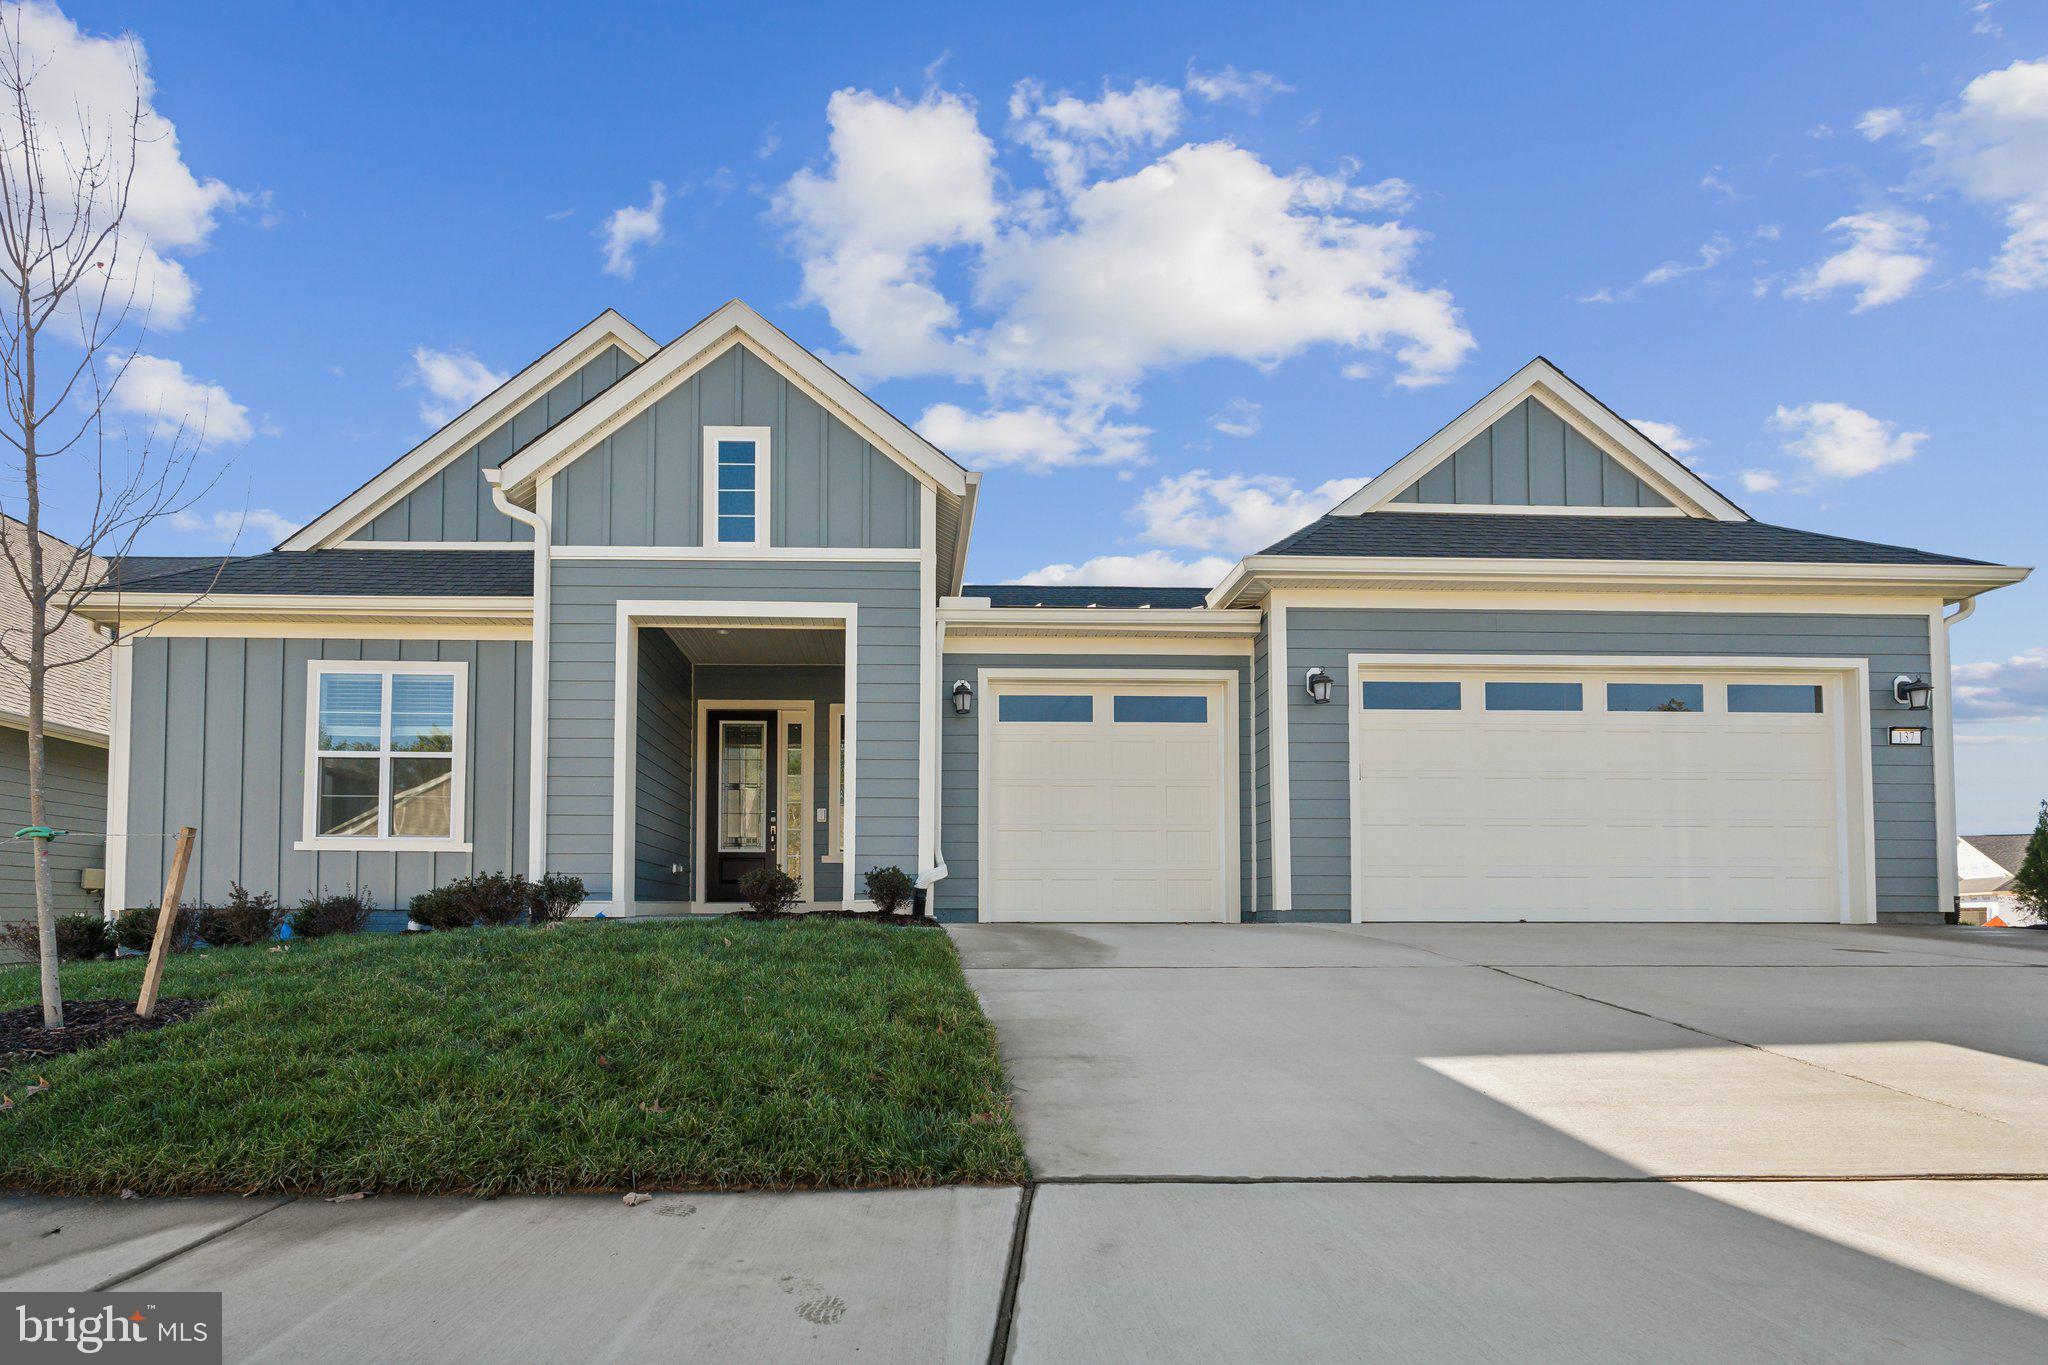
(537, 738)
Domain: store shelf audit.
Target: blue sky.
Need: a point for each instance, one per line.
(1095, 252)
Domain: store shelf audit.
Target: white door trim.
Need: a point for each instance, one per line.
(1230, 813)
(1854, 784)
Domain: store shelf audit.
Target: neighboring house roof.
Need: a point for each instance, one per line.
(351, 573)
(1037, 595)
(1504, 535)
(75, 698)
(2006, 851)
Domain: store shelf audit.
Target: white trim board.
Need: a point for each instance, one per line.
(456, 840)
(119, 725)
(761, 439)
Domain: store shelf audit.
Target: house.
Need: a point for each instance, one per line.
(1986, 865)
(656, 615)
(74, 745)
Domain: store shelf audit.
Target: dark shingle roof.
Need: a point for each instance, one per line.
(1508, 536)
(1036, 595)
(133, 570)
(373, 573)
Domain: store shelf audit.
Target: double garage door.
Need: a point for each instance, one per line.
(1615, 794)
(1106, 800)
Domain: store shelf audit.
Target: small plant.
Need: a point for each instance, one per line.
(556, 896)
(437, 909)
(486, 898)
(80, 938)
(2030, 883)
(890, 888)
(330, 912)
(135, 930)
(246, 919)
(770, 890)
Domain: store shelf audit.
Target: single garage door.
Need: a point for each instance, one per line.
(1105, 800)
(1510, 794)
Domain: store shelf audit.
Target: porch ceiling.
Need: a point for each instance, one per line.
(792, 646)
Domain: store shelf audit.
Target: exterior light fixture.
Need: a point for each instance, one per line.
(1319, 684)
(963, 697)
(1915, 694)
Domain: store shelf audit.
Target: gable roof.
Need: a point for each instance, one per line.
(1539, 379)
(1507, 536)
(2007, 850)
(413, 468)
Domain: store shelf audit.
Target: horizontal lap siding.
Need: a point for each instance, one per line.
(218, 740)
(958, 897)
(664, 799)
(454, 503)
(583, 643)
(74, 801)
(827, 487)
(1318, 736)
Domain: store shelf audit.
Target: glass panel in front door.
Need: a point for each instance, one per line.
(791, 851)
(742, 786)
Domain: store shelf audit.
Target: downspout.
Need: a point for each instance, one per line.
(937, 872)
(537, 738)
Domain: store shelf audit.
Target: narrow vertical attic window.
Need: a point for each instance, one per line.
(736, 486)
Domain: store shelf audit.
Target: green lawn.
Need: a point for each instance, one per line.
(591, 1056)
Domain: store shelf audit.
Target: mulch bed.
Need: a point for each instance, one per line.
(865, 916)
(87, 1023)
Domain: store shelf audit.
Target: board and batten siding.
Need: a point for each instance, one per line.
(958, 897)
(217, 734)
(454, 503)
(581, 693)
(75, 801)
(827, 487)
(1530, 457)
(664, 797)
(1318, 736)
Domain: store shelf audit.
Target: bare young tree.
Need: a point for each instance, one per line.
(69, 330)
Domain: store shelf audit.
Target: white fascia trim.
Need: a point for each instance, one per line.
(70, 734)
(112, 605)
(689, 353)
(438, 544)
(958, 641)
(118, 724)
(609, 328)
(1544, 510)
(761, 554)
(1550, 386)
(1132, 621)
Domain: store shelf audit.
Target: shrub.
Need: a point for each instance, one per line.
(135, 930)
(2030, 883)
(890, 888)
(486, 898)
(770, 890)
(246, 919)
(79, 937)
(330, 912)
(556, 896)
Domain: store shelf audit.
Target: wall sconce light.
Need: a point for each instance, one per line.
(963, 697)
(1319, 684)
(1915, 694)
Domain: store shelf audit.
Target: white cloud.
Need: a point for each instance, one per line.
(628, 228)
(1711, 254)
(1881, 123)
(1665, 434)
(1239, 417)
(1358, 369)
(246, 528)
(1760, 481)
(2017, 686)
(1035, 439)
(452, 379)
(1060, 300)
(1993, 146)
(1837, 441)
(177, 406)
(1235, 514)
(770, 144)
(1153, 568)
(85, 88)
(1712, 181)
(1250, 88)
(1885, 257)
(1986, 25)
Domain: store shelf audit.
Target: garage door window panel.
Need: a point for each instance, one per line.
(1044, 709)
(1668, 698)
(1774, 699)
(1535, 696)
(1166, 710)
(1391, 695)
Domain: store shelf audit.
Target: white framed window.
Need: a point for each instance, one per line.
(386, 756)
(835, 740)
(736, 486)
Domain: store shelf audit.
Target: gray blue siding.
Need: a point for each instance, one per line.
(664, 783)
(1530, 457)
(454, 504)
(218, 740)
(958, 896)
(1318, 736)
(586, 594)
(643, 484)
(821, 687)
(74, 800)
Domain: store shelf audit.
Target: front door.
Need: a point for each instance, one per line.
(740, 824)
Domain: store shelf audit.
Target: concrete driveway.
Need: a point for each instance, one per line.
(1284, 1142)
(1526, 1140)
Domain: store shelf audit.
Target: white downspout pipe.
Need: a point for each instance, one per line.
(537, 738)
